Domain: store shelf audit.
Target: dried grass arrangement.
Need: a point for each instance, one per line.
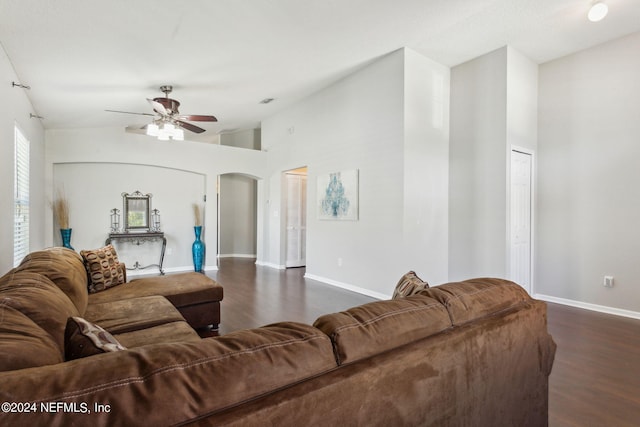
(197, 215)
(60, 208)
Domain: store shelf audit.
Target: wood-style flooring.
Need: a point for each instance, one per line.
(596, 374)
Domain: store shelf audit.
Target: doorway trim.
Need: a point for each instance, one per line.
(302, 170)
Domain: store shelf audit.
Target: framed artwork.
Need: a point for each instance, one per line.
(338, 196)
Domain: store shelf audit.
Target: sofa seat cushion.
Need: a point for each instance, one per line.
(23, 344)
(41, 300)
(173, 332)
(63, 267)
(132, 314)
(181, 289)
(379, 326)
(473, 299)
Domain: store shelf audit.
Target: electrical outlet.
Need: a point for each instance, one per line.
(608, 282)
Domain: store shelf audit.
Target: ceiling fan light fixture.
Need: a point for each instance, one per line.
(153, 129)
(165, 131)
(597, 12)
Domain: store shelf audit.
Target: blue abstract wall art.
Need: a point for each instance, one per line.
(338, 195)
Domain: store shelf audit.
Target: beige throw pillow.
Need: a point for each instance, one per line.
(83, 338)
(409, 284)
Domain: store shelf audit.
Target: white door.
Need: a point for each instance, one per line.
(521, 208)
(296, 219)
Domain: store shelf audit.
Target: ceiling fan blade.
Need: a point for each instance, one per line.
(189, 126)
(196, 118)
(159, 108)
(129, 112)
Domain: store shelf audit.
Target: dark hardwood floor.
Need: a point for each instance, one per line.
(596, 374)
(595, 379)
(256, 296)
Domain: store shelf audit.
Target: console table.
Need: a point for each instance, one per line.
(138, 239)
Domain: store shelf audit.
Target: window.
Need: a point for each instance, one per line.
(21, 198)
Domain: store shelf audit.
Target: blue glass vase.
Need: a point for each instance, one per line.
(197, 250)
(66, 238)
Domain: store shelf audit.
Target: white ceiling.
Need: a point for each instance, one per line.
(81, 57)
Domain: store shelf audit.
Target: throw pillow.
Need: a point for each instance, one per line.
(409, 284)
(103, 269)
(83, 338)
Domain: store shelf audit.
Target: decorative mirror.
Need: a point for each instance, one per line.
(137, 211)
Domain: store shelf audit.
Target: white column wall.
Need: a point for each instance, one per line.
(478, 170)
(493, 107)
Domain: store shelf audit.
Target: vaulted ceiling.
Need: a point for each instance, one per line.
(223, 57)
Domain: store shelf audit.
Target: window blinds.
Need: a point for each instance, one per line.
(21, 198)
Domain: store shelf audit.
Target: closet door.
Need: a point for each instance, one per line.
(521, 215)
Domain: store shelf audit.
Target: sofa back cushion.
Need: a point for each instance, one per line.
(473, 299)
(23, 344)
(63, 267)
(38, 298)
(369, 329)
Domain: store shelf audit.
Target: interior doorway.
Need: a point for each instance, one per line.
(296, 217)
(237, 216)
(521, 217)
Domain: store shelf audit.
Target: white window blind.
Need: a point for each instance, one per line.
(21, 198)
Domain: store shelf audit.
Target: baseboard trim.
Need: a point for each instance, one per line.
(156, 272)
(236, 255)
(348, 287)
(589, 306)
(270, 265)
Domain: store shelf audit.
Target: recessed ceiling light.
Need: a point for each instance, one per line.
(267, 100)
(597, 12)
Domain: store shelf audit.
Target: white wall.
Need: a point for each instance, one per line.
(175, 171)
(14, 110)
(589, 146)
(367, 121)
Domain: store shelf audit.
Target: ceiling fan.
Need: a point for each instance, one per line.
(168, 122)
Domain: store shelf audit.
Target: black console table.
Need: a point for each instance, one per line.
(139, 239)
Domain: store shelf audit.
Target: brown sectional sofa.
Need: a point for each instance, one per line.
(472, 353)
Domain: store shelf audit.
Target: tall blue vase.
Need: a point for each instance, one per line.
(197, 250)
(66, 237)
